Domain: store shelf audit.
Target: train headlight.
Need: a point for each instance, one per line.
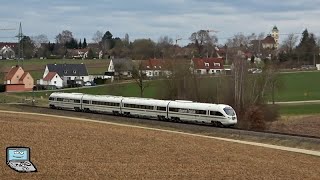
(233, 118)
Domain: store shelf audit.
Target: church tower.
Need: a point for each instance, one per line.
(275, 35)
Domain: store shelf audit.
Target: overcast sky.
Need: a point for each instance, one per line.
(152, 19)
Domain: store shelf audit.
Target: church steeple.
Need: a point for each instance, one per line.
(275, 35)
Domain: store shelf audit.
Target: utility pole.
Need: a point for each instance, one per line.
(20, 36)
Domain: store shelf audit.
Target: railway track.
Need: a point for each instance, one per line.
(294, 140)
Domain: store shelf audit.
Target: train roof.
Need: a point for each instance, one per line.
(103, 98)
(145, 101)
(67, 95)
(195, 105)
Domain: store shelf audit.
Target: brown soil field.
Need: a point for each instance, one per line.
(70, 149)
(303, 124)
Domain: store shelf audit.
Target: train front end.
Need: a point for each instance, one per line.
(230, 116)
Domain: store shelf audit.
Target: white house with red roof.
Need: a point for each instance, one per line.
(207, 65)
(155, 68)
(52, 79)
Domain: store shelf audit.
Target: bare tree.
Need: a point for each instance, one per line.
(97, 36)
(239, 40)
(39, 39)
(139, 77)
(64, 36)
(203, 41)
(290, 42)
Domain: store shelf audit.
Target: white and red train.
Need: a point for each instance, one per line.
(187, 111)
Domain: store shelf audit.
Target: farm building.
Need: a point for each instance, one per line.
(18, 80)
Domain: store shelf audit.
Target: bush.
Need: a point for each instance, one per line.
(255, 119)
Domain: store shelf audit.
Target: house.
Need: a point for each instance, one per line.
(77, 53)
(268, 42)
(155, 68)
(7, 50)
(120, 67)
(207, 65)
(51, 79)
(70, 74)
(18, 80)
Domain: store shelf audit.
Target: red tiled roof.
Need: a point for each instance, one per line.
(154, 64)
(200, 63)
(49, 76)
(12, 72)
(23, 76)
(9, 44)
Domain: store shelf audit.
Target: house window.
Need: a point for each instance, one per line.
(206, 64)
(156, 73)
(212, 71)
(74, 71)
(56, 76)
(82, 78)
(65, 71)
(218, 71)
(17, 77)
(155, 66)
(69, 78)
(216, 64)
(160, 67)
(55, 82)
(150, 73)
(148, 67)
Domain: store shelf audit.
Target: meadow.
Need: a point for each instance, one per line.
(36, 66)
(296, 86)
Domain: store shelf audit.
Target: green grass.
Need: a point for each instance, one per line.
(36, 66)
(299, 109)
(128, 90)
(299, 87)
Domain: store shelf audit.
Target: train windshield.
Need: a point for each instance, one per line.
(229, 111)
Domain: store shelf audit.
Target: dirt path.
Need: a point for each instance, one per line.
(67, 149)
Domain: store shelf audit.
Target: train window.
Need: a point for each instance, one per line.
(216, 113)
(76, 101)
(85, 102)
(59, 99)
(201, 112)
(229, 111)
(51, 99)
(174, 109)
(161, 108)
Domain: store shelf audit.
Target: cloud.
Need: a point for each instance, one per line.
(152, 19)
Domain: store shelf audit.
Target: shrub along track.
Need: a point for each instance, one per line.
(276, 138)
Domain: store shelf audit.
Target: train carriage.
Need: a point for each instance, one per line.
(152, 108)
(71, 101)
(217, 114)
(101, 103)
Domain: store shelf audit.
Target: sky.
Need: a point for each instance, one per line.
(153, 19)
